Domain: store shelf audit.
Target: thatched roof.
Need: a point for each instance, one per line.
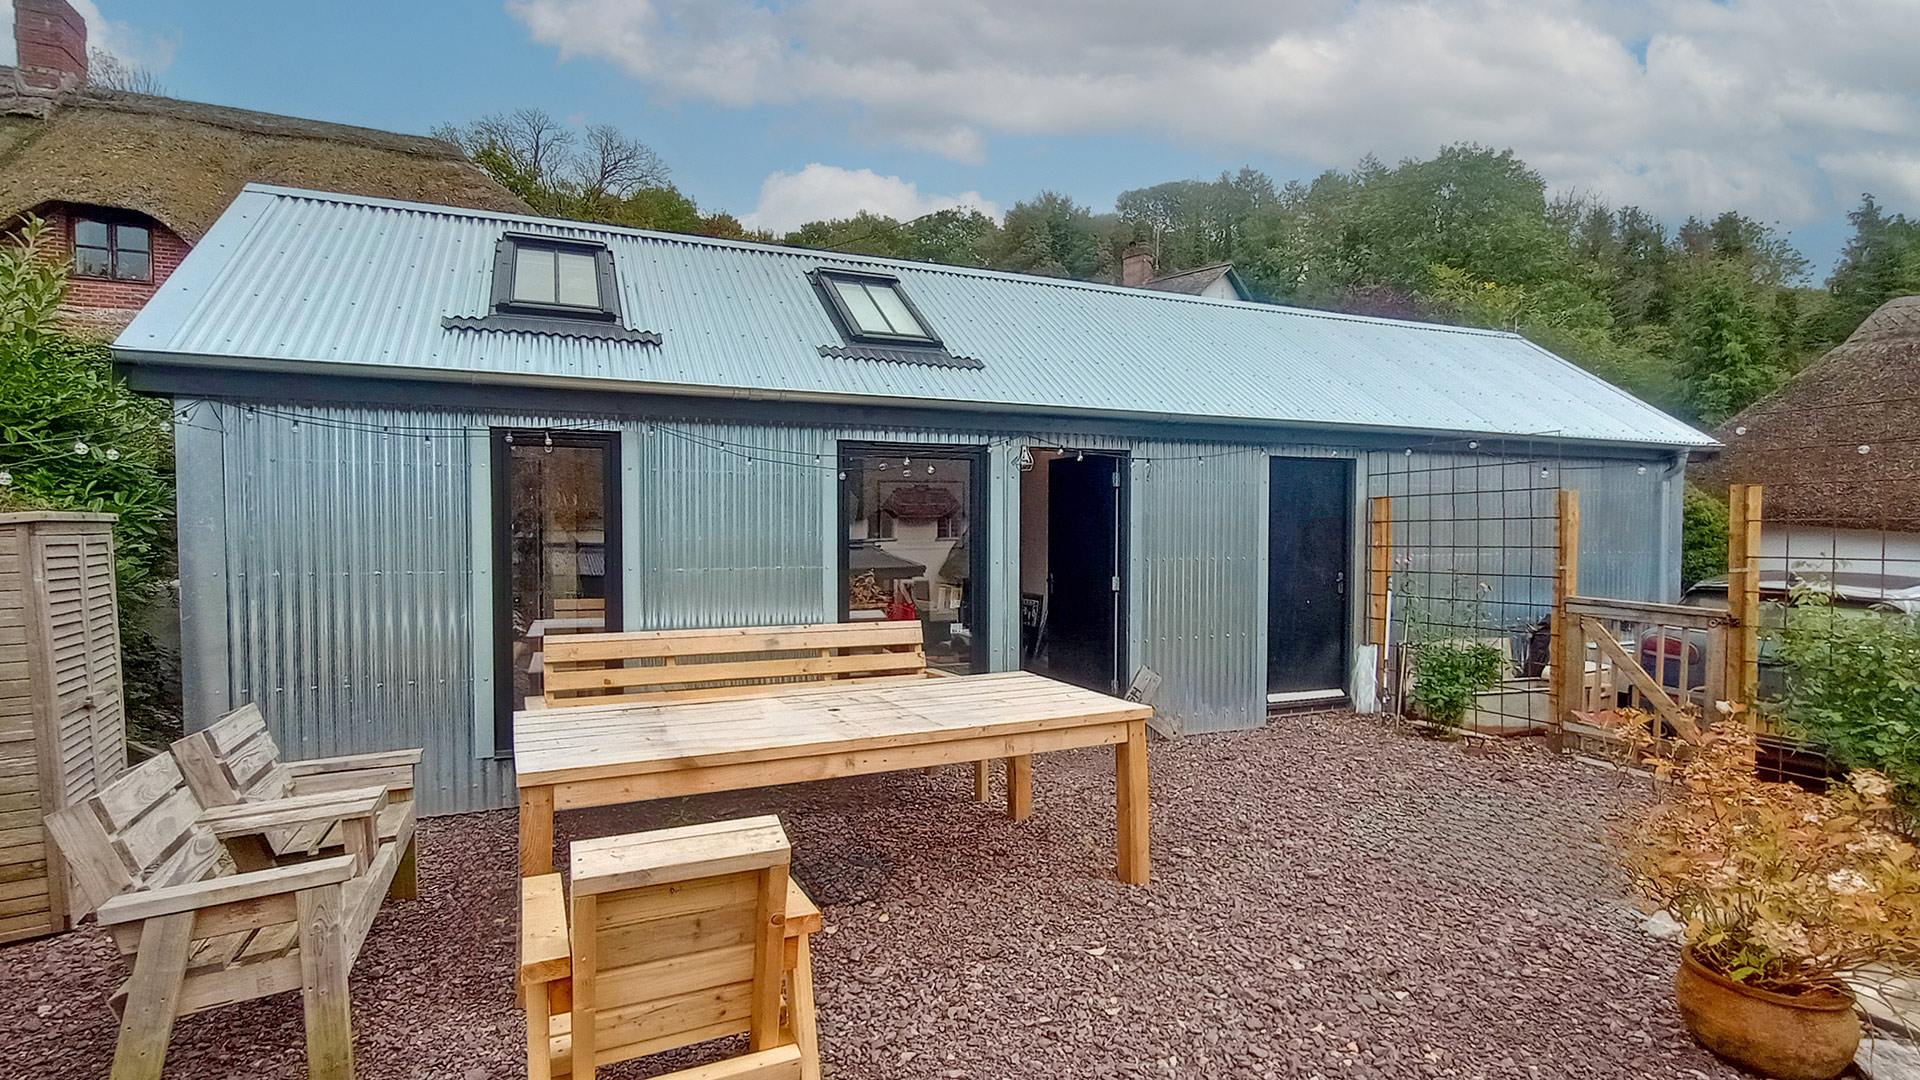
(1802, 443)
(182, 162)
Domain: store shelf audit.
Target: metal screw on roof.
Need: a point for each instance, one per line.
(1864, 448)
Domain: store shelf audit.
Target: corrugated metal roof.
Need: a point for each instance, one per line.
(311, 281)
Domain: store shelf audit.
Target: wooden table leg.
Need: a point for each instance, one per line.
(1020, 787)
(1130, 759)
(982, 782)
(536, 831)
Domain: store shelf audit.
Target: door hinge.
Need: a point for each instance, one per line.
(1116, 479)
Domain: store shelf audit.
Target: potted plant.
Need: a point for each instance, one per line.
(1783, 892)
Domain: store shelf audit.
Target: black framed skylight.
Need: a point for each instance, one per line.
(550, 285)
(879, 320)
(538, 275)
(874, 308)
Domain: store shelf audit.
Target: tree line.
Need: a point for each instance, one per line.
(1701, 320)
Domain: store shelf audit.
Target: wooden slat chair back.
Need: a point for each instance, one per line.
(674, 937)
(712, 665)
(140, 832)
(148, 862)
(235, 760)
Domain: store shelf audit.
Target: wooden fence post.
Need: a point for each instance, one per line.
(1568, 649)
(1380, 571)
(1743, 593)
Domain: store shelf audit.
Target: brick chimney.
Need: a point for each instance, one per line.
(52, 41)
(1136, 266)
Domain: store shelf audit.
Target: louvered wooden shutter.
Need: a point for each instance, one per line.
(62, 721)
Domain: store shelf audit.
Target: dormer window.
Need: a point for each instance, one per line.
(873, 308)
(537, 275)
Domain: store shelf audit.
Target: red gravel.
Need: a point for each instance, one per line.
(1331, 898)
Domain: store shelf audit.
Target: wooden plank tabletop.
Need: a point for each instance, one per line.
(556, 746)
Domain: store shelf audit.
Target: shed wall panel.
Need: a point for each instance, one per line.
(351, 588)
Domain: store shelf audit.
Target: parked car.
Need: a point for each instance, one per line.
(1679, 656)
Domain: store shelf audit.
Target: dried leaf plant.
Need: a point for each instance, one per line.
(1779, 888)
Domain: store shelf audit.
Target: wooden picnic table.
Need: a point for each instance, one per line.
(569, 759)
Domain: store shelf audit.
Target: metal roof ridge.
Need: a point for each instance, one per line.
(697, 240)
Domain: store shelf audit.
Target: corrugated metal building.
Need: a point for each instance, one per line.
(369, 554)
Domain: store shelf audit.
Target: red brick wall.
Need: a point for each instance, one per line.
(103, 306)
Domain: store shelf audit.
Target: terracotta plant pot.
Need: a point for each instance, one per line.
(1809, 1036)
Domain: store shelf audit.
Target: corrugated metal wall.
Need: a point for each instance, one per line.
(338, 575)
(1199, 610)
(348, 592)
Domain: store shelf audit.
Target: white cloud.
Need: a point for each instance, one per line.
(138, 48)
(1776, 107)
(823, 192)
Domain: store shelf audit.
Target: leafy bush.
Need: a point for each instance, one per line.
(1446, 676)
(1779, 888)
(73, 437)
(1853, 685)
(1703, 537)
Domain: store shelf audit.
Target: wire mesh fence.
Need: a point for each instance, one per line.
(1835, 578)
(1463, 559)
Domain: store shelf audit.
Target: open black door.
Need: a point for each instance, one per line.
(1310, 525)
(1084, 552)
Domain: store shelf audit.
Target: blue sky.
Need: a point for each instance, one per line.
(805, 108)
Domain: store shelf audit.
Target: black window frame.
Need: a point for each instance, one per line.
(501, 461)
(505, 262)
(823, 283)
(979, 600)
(113, 224)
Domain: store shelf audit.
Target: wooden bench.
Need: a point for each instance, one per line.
(234, 760)
(146, 860)
(674, 937)
(711, 665)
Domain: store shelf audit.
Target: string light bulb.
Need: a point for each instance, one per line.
(165, 426)
(112, 454)
(929, 470)
(1543, 472)
(1642, 470)
(549, 442)
(79, 448)
(6, 478)
(509, 438)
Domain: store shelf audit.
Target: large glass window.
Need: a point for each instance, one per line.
(915, 545)
(556, 552)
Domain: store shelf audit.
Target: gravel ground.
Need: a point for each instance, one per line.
(1331, 898)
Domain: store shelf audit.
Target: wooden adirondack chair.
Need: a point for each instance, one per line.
(675, 937)
(146, 858)
(235, 760)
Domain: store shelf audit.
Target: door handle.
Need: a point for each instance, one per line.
(1340, 583)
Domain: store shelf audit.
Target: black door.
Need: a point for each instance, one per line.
(1309, 505)
(1083, 563)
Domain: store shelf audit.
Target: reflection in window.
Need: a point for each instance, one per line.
(112, 249)
(559, 559)
(910, 550)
